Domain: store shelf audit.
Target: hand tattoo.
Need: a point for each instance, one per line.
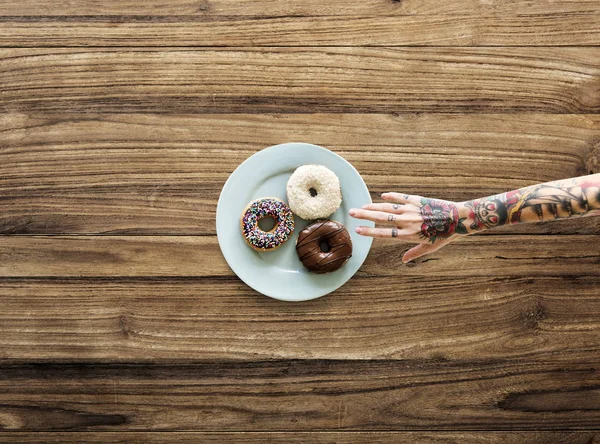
(394, 232)
(391, 218)
(396, 206)
(440, 220)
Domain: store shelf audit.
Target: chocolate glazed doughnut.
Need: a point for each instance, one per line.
(324, 246)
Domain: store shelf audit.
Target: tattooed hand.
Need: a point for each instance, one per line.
(434, 223)
(431, 222)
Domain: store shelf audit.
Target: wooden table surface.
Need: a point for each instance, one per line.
(120, 321)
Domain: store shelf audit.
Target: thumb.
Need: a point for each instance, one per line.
(420, 250)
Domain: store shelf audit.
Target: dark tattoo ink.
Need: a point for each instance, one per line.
(539, 211)
(487, 213)
(545, 195)
(440, 220)
(396, 206)
(530, 204)
(391, 218)
(394, 232)
(569, 208)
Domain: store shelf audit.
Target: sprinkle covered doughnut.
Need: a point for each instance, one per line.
(313, 192)
(259, 209)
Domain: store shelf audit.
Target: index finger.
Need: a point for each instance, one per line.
(402, 198)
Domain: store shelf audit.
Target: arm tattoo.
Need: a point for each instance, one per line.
(440, 220)
(539, 211)
(538, 203)
(487, 213)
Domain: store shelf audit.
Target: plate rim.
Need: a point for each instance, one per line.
(220, 205)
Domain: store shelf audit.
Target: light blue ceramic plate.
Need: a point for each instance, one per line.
(280, 274)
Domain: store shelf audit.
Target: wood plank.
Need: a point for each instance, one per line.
(306, 395)
(401, 316)
(304, 437)
(131, 256)
(162, 174)
(306, 22)
(301, 80)
(201, 30)
(274, 8)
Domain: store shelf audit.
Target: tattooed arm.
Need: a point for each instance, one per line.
(538, 203)
(435, 223)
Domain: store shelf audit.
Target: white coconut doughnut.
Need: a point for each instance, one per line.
(313, 192)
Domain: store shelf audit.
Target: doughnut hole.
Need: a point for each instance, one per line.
(325, 247)
(319, 203)
(267, 223)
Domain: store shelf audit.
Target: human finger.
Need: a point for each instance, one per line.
(394, 208)
(421, 250)
(402, 198)
(382, 232)
(375, 216)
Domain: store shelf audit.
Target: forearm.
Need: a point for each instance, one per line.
(560, 199)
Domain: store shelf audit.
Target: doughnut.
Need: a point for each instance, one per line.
(259, 209)
(324, 233)
(313, 192)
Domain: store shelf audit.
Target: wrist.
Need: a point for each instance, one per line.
(461, 222)
(470, 220)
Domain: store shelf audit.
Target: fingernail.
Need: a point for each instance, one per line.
(353, 212)
(384, 194)
(358, 230)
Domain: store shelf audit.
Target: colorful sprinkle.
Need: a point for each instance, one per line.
(261, 208)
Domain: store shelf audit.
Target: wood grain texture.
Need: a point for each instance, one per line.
(305, 23)
(304, 437)
(162, 174)
(301, 80)
(203, 30)
(305, 395)
(402, 316)
(275, 8)
(129, 256)
(120, 321)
